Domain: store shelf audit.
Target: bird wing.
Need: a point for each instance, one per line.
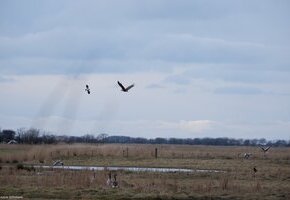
(89, 92)
(87, 86)
(129, 87)
(120, 84)
(267, 148)
(262, 148)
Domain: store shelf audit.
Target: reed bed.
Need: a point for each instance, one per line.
(23, 153)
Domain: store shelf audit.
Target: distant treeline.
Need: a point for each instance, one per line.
(35, 136)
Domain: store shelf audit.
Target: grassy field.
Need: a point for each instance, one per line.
(272, 181)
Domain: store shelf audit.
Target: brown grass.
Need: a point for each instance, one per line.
(272, 181)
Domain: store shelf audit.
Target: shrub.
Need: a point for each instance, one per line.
(27, 168)
(19, 166)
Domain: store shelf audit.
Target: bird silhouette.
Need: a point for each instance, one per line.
(265, 149)
(255, 170)
(88, 89)
(115, 182)
(125, 89)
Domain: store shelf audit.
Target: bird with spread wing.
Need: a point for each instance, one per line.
(265, 149)
(125, 89)
(88, 89)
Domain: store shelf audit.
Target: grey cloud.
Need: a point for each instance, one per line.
(6, 79)
(18, 17)
(189, 48)
(93, 32)
(178, 79)
(251, 74)
(238, 90)
(155, 86)
(42, 65)
(55, 46)
(62, 43)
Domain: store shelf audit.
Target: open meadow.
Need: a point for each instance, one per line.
(236, 179)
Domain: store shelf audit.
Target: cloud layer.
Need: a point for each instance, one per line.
(199, 66)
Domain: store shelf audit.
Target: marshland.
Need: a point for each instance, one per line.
(237, 180)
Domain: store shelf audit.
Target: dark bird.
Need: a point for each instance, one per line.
(57, 163)
(265, 149)
(88, 89)
(125, 89)
(115, 182)
(255, 170)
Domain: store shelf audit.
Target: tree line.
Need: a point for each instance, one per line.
(36, 136)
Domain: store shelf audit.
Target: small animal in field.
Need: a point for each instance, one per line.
(88, 89)
(112, 182)
(115, 182)
(247, 155)
(255, 171)
(125, 89)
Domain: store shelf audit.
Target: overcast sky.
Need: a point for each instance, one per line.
(201, 68)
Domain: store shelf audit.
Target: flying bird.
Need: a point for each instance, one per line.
(88, 89)
(265, 149)
(125, 89)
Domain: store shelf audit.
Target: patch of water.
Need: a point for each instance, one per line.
(133, 169)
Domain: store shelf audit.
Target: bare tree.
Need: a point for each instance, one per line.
(102, 137)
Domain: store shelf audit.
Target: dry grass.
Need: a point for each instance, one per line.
(272, 181)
